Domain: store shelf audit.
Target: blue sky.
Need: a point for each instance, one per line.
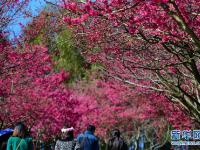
(35, 6)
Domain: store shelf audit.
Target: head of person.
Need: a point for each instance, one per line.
(19, 130)
(91, 128)
(67, 133)
(116, 133)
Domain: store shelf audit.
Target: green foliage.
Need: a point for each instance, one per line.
(69, 57)
(95, 72)
(36, 40)
(61, 45)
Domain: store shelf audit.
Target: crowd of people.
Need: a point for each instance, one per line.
(88, 141)
(21, 140)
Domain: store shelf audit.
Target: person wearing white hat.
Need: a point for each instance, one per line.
(67, 142)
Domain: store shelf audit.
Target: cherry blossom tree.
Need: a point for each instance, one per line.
(32, 92)
(109, 104)
(152, 44)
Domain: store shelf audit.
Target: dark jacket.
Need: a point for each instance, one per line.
(117, 143)
(88, 141)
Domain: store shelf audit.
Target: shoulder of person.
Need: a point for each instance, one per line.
(10, 139)
(14, 138)
(94, 137)
(80, 137)
(28, 139)
(122, 139)
(59, 141)
(24, 140)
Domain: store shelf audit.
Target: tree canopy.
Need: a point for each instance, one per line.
(129, 64)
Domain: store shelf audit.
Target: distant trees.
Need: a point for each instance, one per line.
(48, 29)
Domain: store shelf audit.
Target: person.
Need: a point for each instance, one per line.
(29, 141)
(67, 142)
(17, 140)
(116, 142)
(133, 144)
(141, 140)
(4, 136)
(87, 140)
(3, 146)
